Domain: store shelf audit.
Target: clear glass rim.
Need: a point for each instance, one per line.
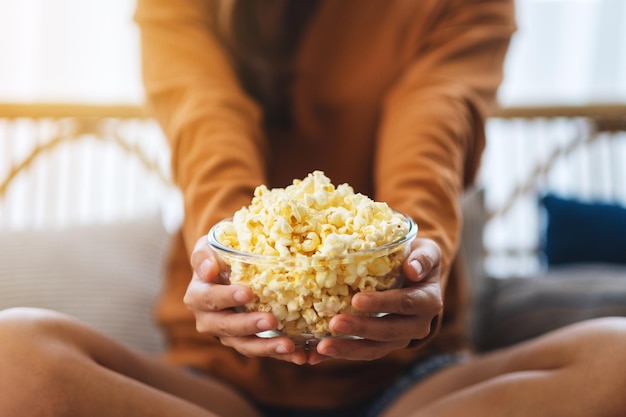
(253, 257)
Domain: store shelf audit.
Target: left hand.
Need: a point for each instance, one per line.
(410, 309)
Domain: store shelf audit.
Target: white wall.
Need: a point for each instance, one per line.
(69, 50)
(566, 51)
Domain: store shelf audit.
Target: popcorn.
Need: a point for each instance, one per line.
(312, 246)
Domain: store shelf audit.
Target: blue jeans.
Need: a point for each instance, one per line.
(373, 407)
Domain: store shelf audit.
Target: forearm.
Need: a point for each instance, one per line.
(432, 131)
(425, 174)
(214, 129)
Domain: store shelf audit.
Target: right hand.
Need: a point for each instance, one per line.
(212, 303)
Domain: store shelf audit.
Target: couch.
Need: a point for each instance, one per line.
(108, 271)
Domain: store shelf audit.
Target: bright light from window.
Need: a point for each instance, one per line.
(565, 51)
(69, 51)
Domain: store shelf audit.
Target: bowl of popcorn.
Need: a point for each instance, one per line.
(306, 249)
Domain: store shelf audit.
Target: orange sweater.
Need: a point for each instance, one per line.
(389, 96)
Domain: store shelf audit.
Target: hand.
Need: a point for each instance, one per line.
(212, 303)
(411, 311)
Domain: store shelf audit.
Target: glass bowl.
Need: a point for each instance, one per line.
(305, 292)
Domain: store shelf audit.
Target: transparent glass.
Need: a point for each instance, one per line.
(305, 292)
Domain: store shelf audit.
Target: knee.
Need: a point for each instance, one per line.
(33, 335)
(28, 334)
(603, 343)
(597, 344)
(600, 340)
(20, 322)
(606, 333)
(23, 326)
(31, 353)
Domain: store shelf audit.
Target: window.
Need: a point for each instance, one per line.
(69, 51)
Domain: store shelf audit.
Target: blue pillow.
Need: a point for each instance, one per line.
(583, 231)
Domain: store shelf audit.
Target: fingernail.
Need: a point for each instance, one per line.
(298, 360)
(342, 327)
(417, 266)
(280, 349)
(363, 301)
(317, 359)
(314, 361)
(263, 324)
(240, 296)
(205, 268)
(330, 351)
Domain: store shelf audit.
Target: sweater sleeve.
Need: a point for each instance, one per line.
(214, 129)
(432, 129)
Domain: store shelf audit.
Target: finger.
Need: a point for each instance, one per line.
(421, 299)
(390, 328)
(424, 259)
(203, 296)
(281, 348)
(357, 349)
(315, 358)
(204, 262)
(228, 323)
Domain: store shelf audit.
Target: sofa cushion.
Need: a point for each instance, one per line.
(515, 309)
(106, 275)
(583, 231)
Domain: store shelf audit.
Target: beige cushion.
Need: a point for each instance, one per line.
(106, 275)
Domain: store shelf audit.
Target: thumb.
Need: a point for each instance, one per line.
(204, 261)
(425, 257)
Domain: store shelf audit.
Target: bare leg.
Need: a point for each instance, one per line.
(54, 366)
(579, 370)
